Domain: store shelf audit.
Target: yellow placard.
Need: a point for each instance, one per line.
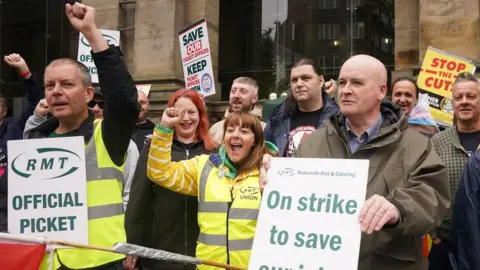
(439, 71)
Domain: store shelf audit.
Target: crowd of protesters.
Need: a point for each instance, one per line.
(180, 177)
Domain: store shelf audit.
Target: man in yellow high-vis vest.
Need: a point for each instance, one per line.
(68, 90)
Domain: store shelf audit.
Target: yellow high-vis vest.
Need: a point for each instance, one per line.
(105, 208)
(227, 218)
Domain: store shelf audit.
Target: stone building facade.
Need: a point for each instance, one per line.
(256, 38)
(149, 30)
(149, 41)
(450, 25)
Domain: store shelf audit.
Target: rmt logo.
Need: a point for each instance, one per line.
(287, 172)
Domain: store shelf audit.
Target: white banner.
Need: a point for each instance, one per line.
(309, 215)
(84, 50)
(47, 189)
(196, 59)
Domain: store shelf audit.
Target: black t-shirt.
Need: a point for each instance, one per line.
(469, 141)
(302, 124)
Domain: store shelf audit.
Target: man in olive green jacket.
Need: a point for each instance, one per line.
(407, 190)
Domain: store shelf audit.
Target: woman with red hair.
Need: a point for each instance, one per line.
(194, 126)
(157, 217)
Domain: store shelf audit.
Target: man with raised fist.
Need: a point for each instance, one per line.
(11, 129)
(68, 90)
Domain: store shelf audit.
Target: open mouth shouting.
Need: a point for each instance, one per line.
(236, 152)
(236, 147)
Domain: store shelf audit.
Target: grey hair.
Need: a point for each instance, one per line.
(84, 73)
(247, 81)
(466, 77)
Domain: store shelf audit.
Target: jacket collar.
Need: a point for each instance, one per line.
(394, 123)
(455, 139)
(85, 129)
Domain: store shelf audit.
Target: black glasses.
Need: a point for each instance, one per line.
(100, 104)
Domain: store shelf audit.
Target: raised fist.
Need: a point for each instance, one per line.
(171, 117)
(16, 61)
(42, 108)
(331, 88)
(81, 17)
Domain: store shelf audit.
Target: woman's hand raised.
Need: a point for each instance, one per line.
(171, 117)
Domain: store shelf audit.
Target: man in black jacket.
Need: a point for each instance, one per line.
(11, 129)
(68, 90)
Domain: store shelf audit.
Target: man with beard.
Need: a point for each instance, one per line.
(243, 96)
(304, 110)
(455, 145)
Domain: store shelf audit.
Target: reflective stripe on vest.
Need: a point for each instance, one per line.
(105, 207)
(209, 243)
(220, 240)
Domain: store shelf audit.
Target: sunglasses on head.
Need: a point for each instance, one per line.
(100, 104)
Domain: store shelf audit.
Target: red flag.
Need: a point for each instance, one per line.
(17, 255)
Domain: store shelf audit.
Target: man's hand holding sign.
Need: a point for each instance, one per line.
(406, 177)
(376, 211)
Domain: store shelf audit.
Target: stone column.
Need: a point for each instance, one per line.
(107, 12)
(156, 53)
(406, 34)
(127, 33)
(450, 25)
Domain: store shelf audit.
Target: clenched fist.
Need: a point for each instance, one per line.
(81, 17)
(171, 117)
(42, 108)
(331, 88)
(16, 61)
